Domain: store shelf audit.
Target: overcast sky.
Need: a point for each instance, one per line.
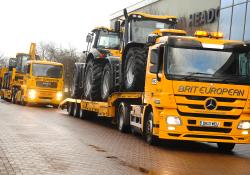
(65, 22)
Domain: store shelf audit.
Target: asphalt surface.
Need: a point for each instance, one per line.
(43, 140)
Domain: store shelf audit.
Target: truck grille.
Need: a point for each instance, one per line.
(46, 84)
(209, 137)
(209, 129)
(195, 106)
(208, 115)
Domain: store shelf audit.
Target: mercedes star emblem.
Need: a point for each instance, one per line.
(211, 104)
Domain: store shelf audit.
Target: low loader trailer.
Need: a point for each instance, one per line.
(196, 88)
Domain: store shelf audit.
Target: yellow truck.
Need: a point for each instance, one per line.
(196, 88)
(34, 81)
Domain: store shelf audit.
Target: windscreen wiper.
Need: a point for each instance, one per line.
(191, 74)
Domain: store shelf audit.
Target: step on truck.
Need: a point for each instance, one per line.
(196, 88)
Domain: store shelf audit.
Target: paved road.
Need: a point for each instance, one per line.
(46, 141)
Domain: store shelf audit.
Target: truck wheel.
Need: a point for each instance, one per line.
(13, 98)
(106, 85)
(71, 108)
(134, 69)
(23, 103)
(76, 110)
(123, 117)
(225, 147)
(92, 86)
(149, 137)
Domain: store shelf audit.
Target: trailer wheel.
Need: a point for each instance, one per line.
(82, 114)
(76, 110)
(71, 108)
(106, 85)
(134, 69)
(123, 115)
(148, 134)
(225, 147)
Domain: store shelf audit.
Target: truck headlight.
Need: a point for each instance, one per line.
(244, 125)
(59, 96)
(173, 120)
(32, 94)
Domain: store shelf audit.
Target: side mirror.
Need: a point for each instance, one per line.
(154, 60)
(151, 40)
(117, 26)
(89, 38)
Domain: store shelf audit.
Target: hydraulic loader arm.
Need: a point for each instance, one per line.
(32, 52)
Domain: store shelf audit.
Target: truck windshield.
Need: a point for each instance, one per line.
(108, 40)
(207, 63)
(47, 70)
(140, 29)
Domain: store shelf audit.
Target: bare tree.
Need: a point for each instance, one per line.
(3, 60)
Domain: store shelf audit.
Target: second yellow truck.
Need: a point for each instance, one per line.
(33, 80)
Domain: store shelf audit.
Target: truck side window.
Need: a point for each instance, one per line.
(244, 64)
(28, 69)
(161, 55)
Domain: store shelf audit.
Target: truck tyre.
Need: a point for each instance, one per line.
(13, 98)
(134, 69)
(76, 110)
(107, 79)
(225, 147)
(148, 131)
(123, 117)
(82, 114)
(93, 75)
(22, 102)
(71, 108)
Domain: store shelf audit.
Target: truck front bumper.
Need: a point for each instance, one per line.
(46, 97)
(191, 128)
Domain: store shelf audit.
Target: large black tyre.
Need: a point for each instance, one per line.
(13, 97)
(107, 82)
(123, 117)
(76, 90)
(148, 131)
(134, 69)
(93, 76)
(77, 109)
(71, 108)
(225, 147)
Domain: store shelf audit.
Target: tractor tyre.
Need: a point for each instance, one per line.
(135, 69)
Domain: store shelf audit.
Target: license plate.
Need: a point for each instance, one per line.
(209, 124)
(45, 100)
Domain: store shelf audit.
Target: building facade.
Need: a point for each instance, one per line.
(232, 17)
(235, 19)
